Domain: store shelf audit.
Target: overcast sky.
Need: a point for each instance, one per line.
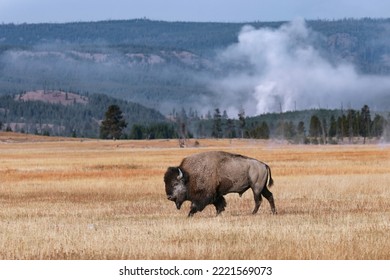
(35, 11)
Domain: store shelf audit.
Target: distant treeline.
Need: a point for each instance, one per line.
(308, 126)
(77, 120)
(83, 120)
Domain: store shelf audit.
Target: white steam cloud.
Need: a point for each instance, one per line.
(281, 69)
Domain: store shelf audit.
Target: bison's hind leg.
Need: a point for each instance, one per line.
(258, 200)
(220, 204)
(268, 195)
(257, 196)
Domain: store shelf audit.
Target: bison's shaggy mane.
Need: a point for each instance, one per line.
(172, 173)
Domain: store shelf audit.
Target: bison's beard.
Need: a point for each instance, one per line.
(177, 201)
(178, 204)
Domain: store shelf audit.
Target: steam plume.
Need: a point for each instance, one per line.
(282, 69)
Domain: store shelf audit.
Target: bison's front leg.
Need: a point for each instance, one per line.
(196, 206)
(220, 204)
(193, 210)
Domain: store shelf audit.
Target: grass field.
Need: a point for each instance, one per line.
(72, 199)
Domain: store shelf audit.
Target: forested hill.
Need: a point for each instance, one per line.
(348, 37)
(156, 62)
(162, 65)
(62, 113)
(141, 32)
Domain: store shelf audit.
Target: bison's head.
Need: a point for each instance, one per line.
(175, 185)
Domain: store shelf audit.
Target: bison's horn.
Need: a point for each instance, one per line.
(180, 174)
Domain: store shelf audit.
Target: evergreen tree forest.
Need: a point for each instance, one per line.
(142, 64)
(133, 121)
(73, 120)
(300, 127)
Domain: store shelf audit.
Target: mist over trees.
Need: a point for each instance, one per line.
(93, 120)
(201, 79)
(162, 65)
(319, 126)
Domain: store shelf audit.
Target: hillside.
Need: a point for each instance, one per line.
(52, 97)
(60, 113)
(65, 114)
(168, 65)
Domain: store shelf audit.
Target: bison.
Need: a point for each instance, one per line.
(206, 177)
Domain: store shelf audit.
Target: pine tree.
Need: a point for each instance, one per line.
(230, 131)
(241, 118)
(217, 124)
(365, 122)
(332, 127)
(315, 129)
(378, 126)
(113, 124)
(264, 131)
(301, 133)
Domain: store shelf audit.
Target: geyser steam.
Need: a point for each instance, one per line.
(282, 69)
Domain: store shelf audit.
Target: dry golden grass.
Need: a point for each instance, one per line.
(68, 199)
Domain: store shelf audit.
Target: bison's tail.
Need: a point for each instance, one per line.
(270, 180)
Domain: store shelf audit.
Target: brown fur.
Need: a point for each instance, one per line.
(208, 176)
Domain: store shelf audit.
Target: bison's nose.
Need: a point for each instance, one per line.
(170, 197)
